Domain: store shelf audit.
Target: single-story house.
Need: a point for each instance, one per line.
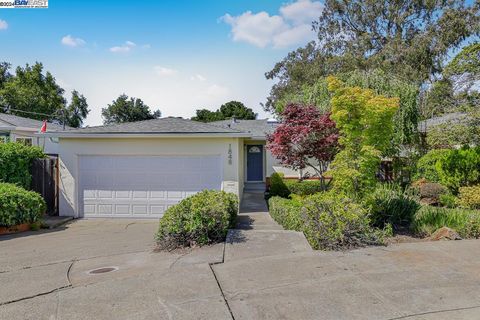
(139, 169)
(23, 130)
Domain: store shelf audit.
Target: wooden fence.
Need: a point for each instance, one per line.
(45, 178)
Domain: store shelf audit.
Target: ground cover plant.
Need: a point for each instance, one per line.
(201, 219)
(19, 206)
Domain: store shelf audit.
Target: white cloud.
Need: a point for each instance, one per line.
(164, 72)
(302, 11)
(198, 77)
(146, 46)
(126, 47)
(3, 25)
(291, 27)
(298, 34)
(70, 41)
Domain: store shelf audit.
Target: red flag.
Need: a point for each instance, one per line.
(44, 126)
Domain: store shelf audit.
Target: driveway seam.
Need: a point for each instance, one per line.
(47, 292)
(434, 312)
(210, 265)
(36, 295)
(74, 259)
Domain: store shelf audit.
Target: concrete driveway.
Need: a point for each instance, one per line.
(261, 272)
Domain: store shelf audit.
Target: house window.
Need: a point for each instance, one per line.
(24, 141)
(254, 149)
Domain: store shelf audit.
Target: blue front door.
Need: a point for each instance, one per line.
(254, 163)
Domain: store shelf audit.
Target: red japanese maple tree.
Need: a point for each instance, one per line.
(305, 138)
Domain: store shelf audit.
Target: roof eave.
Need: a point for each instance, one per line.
(144, 135)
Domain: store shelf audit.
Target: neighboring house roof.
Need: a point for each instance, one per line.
(162, 126)
(20, 122)
(258, 128)
(454, 117)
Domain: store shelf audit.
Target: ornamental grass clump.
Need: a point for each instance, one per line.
(201, 219)
(429, 219)
(389, 204)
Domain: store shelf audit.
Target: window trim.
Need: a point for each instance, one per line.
(25, 139)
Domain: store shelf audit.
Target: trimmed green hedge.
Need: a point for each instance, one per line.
(18, 206)
(200, 219)
(285, 187)
(16, 162)
(286, 212)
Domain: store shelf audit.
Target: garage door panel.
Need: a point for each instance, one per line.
(142, 186)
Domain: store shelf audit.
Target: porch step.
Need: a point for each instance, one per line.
(254, 187)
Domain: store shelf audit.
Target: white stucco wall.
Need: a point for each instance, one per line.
(47, 144)
(71, 148)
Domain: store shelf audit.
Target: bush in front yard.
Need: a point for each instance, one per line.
(429, 219)
(16, 161)
(304, 187)
(334, 222)
(389, 204)
(429, 192)
(285, 187)
(200, 219)
(278, 186)
(286, 212)
(469, 197)
(18, 206)
(426, 165)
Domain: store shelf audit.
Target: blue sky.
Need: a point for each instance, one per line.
(177, 56)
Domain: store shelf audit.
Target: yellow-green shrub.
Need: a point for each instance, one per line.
(469, 197)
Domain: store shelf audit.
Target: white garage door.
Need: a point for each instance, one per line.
(142, 186)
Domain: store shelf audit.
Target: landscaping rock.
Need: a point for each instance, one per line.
(445, 233)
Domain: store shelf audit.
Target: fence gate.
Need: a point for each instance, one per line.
(45, 182)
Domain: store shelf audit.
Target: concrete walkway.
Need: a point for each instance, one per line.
(258, 235)
(261, 272)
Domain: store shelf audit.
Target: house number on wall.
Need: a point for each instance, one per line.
(230, 154)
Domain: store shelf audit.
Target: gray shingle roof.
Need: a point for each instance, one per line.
(17, 121)
(258, 128)
(168, 125)
(454, 117)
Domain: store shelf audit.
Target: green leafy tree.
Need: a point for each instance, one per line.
(125, 109)
(465, 67)
(365, 122)
(205, 115)
(235, 109)
(407, 116)
(409, 39)
(77, 110)
(31, 90)
(33, 93)
(232, 109)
